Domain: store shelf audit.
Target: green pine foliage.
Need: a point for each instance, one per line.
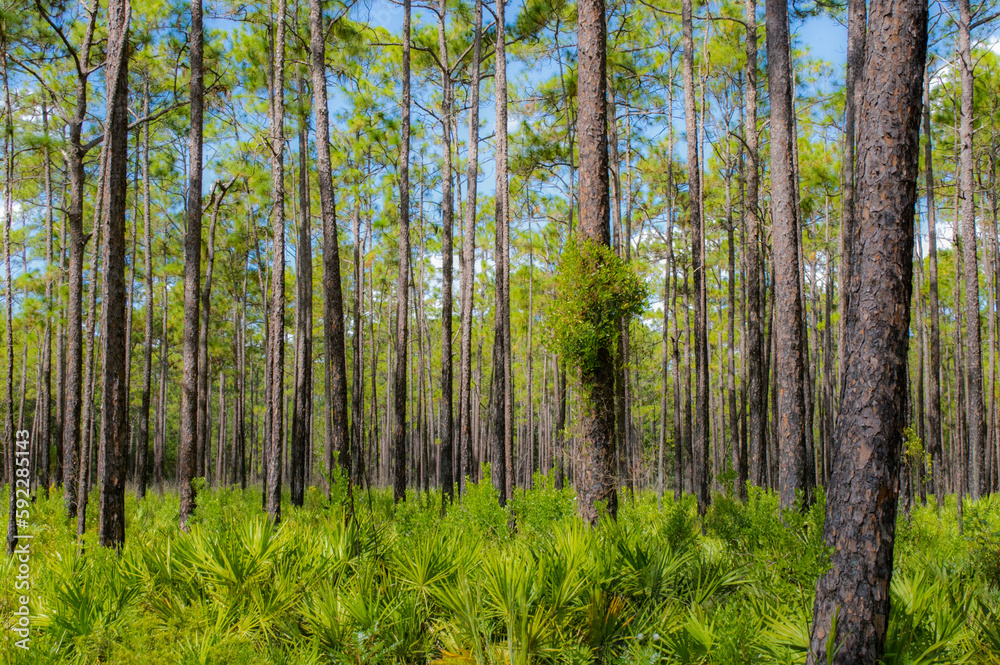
(485, 584)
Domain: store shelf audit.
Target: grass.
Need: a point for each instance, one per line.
(403, 585)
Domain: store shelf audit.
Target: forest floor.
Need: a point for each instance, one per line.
(404, 585)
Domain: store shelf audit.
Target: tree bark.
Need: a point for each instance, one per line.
(72, 399)
(188, 444)
(501, 440)
(447, 279)
(785, 241)
(302, 399)
(857, 20)
(934, 343)
(16, 441)
(115, 399)
(276, 399)
(861, 499)
(466, 433)
(597, 450)
(402, 281)
(973, 343)
(700, 443)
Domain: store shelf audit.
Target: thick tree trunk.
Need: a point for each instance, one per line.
(188, 444)
(114, 401)
(502, 442)
(785, 240)
(466, 432)
(597, 453)
(275, 442)
(700, 443)
(333, 301)
(861, 499)
(402, 281)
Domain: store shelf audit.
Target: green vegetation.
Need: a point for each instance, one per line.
(401, 585)
(595, 290)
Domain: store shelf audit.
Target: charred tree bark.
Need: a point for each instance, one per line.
(302, 399)
(75, 154)
(114, 400)
(861, 499)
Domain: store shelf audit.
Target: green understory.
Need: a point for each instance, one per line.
(402, 585)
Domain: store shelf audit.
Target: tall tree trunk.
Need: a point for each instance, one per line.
(857, 20)
(785, 240)
(502, 435)
(8, 209)
(72, 399)
(466, 433)
(861, 499)
(142, 451)
(188, 444)
(276, 399)
(447, 279)
(302, 412)
(973, 344)
(333, 312)
(85, 468)
(597, 454)
(934, 347)
(402, 282)
(45, 397)
(114, 400)
(700, 443)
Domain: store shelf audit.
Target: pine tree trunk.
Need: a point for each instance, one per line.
(934, 446)
(302, 400)
(85, 469)
(785, 240)
(188, 445)
(701, 440)
(466, 422)
(73, 388)
(447, 251)
(973, 344)
(856, 37)
(276, 399)
(12, 448)
(597, 454)
(114, 401)
(142, 452)
(44, 399)
(861, 499)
